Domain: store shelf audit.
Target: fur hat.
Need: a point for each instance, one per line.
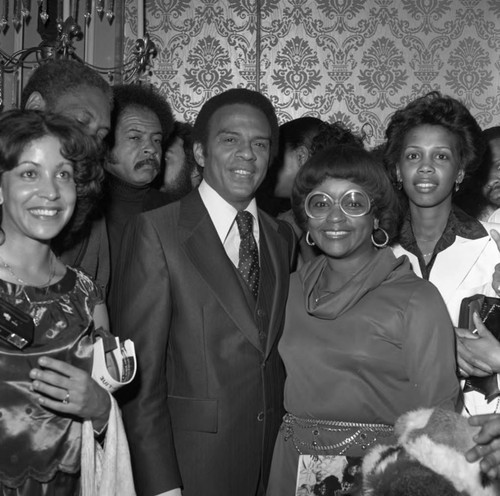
(429, 459)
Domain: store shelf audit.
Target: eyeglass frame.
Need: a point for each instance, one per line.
(337, 202)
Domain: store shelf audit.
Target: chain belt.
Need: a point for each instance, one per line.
(354, 434)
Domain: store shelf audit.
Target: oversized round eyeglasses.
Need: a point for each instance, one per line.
(354, 203)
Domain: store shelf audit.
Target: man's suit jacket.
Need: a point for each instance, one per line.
(207, 402)
(91, 252)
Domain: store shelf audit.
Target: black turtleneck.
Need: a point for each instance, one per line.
(122, 201)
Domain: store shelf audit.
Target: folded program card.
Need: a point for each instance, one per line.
(114, 363)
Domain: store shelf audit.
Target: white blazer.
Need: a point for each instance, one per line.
(464, 269)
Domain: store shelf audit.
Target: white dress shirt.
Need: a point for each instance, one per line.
(223, 216)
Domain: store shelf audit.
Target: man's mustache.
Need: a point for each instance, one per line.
(147, 162)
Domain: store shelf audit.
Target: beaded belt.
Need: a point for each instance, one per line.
(352, 434)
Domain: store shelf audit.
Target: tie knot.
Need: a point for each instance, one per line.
(244, 219)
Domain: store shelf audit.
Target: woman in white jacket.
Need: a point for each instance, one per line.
(433, 144)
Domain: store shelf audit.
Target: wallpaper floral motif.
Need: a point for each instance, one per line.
(350, 60)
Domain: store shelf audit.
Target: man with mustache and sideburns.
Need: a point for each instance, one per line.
(141, 120)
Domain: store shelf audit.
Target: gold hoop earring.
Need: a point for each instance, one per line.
(309, 241)
(385, 243)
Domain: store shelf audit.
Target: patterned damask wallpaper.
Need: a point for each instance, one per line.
(350, 60)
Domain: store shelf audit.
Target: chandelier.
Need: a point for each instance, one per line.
(16, 13)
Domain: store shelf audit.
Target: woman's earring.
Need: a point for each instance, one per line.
(385, 243)
(457, 185)
(309, 241)
(399, 181)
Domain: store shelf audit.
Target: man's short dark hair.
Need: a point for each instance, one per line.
(141, 96)
(231, 97)
(58, 77)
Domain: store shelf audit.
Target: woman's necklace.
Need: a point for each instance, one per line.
(427, 240)
(422, 240)
(321, 296)
(52, 272)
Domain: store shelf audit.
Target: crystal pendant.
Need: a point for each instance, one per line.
(3, 23)
(25, 11)
(44, 16)
(110, 15)
(16, 22)
(100, 8)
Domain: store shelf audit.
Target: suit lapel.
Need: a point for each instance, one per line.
(206, 252)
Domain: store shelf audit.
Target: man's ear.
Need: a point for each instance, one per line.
(302, 154)
(199, 156)
(35, 102)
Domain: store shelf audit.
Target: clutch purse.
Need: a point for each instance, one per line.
(488, 309)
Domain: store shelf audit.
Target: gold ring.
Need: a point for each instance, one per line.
(65, 401)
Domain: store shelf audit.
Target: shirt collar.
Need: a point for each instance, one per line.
(459, 224)
(221, 212)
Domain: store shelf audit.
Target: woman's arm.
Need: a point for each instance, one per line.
(68, 389)
(429, 349)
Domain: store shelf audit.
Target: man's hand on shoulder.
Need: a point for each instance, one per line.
(487, 448)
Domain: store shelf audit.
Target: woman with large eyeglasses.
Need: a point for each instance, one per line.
(365, 339)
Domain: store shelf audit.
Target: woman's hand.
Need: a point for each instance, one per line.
(70, 390)
(487, 441)
(479, 350)
(468, 361)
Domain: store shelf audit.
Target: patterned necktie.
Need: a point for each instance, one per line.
(249, 254)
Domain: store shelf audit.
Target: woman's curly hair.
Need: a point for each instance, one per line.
(435, 109)
(20, 128)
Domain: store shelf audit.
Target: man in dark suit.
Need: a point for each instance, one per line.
(205, 311)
